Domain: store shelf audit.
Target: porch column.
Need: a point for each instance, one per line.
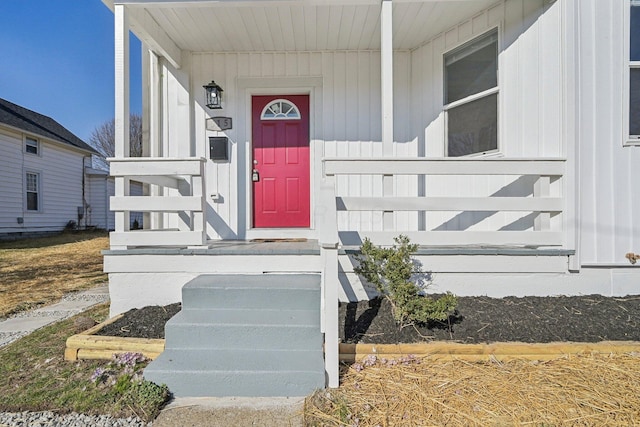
(386, 59)
(121, 81)
(122, 107)
(386, 63)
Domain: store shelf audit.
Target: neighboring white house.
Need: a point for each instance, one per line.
(99, 187)
(41, 173)
(500, 135)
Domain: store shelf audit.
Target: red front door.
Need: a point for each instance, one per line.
(281, 179)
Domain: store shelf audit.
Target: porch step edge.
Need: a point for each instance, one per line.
(258, 281)
(246, 317)
(231, 384)
(239, 360)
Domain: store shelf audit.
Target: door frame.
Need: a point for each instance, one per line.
(249, 87)
(280, 167)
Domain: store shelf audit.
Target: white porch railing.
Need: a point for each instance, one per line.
(177, 197)
(539, 203)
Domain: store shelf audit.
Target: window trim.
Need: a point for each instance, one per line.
(279, 117)
(629, 140)
(38, 191)
(476, 96)
(27, 139)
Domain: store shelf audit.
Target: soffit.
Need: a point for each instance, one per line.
(238, 27)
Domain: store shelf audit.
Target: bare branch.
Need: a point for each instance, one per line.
(103, 137)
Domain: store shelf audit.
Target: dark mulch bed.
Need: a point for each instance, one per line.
(146, 322)
(589, 318)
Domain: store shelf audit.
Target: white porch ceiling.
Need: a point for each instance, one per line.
(234, 26)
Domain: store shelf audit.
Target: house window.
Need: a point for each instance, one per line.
(634, 71)
(33, 191)
(471, 96)
(280, 109)
(31, 145)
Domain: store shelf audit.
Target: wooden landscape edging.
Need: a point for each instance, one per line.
(87, 345)
(475, 352)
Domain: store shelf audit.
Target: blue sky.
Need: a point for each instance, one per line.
(56, 58)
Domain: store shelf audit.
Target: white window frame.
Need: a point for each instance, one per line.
(473, 97)
(279, 116)
(28, 143)
(629, 140)
(38, 191)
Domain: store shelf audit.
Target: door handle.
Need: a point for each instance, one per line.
(255, 176)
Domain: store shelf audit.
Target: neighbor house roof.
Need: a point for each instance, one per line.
(29, 121)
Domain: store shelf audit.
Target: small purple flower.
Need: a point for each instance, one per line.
(370, 360)
(98, 375)
(129, 359)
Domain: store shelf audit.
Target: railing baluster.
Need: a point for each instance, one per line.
(542, 188)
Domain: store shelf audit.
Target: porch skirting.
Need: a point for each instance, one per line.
(155, 276)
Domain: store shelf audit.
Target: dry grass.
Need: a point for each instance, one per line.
(39, 271)
(586, 390)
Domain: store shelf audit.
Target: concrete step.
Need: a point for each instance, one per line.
(240, 360)
(244, 335)
(224, 336)
(245, 316)
(267, 291)
(238, 383)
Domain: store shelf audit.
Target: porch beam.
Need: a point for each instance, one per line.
(244, 3)
(152, 34)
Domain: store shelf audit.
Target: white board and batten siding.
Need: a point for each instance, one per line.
(535, 39)
(60, 186)
(609, 180)
(529, 80)
(530, 110)
(345, 87)
(345, 120)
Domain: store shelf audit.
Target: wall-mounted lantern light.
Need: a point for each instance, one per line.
(213, 95)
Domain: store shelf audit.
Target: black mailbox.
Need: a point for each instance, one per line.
(219, 148)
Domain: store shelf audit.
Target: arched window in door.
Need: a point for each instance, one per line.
(280, 109)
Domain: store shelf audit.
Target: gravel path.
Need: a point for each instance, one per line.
(19, 325)
(25, 322)
(50, 419)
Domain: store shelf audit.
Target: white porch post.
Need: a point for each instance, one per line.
(329, 241)
(386, 63)
(121, 81)
(122, 107)
(386, 59)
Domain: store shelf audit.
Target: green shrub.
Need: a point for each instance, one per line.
(391, 270)
(122, 379)
(146, 398)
